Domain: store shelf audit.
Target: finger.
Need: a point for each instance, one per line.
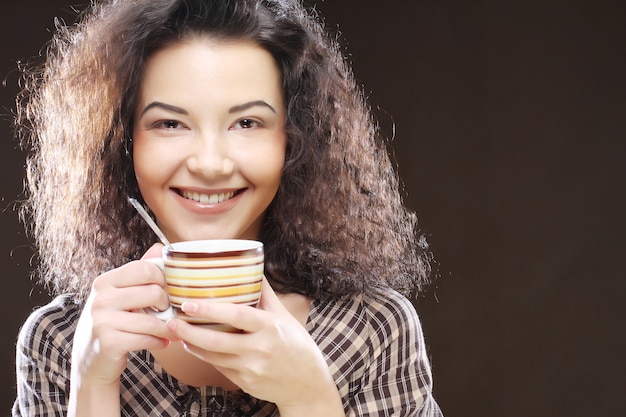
(225, 362)
(135, 342)
(131, 274)
(211, 346)
(136, 272)
(155, 251)
(124, 342)
(132, 298)
(130, 331)
(207, 339)
(243, 317)
(132, 286)
(141, 323)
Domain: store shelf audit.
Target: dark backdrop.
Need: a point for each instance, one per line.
(509, 131)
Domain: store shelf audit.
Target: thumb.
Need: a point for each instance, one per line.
(155, 251)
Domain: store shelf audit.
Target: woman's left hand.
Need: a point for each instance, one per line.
(274, 359)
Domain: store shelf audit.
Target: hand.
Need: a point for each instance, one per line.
(113, 323)
(274, 359)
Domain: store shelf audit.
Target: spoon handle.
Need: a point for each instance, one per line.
(144, 214)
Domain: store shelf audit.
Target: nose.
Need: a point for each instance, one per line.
(209, 157)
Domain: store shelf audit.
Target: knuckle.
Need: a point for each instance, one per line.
(108, 344)
(142, 272)
(153, 325)
(100, 327)
(239, 315)
(100, 283)
(99, 303)
(148, 275)
(277, 330)
(148, 270)
(154, 291)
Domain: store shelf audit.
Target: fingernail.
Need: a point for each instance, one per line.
(189, 307)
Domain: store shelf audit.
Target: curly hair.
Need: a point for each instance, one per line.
(337, 225)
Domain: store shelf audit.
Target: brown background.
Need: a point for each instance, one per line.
(511, 140)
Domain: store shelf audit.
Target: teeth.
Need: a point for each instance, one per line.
(207, 198)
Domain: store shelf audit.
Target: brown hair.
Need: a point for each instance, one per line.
(337, 225)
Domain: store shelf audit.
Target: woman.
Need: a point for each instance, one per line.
(229, 119)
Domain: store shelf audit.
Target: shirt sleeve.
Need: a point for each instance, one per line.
(398, 379)
(43, 355)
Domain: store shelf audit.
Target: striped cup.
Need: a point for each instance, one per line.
(223, 271)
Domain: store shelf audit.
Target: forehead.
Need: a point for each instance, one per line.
(204, 66)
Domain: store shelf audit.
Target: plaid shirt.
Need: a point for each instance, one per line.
(373, 345)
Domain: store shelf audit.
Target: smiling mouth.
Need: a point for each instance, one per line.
(207, 198)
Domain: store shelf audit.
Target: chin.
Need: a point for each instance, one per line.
(205, 236)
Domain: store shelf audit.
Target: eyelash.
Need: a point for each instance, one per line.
(248, 121)
(170, 124)
(167, 124)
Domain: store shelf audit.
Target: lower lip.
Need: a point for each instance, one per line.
(207, 209)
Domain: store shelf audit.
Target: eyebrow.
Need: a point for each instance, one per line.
(169, 107)
(246, 106)
(234, 109)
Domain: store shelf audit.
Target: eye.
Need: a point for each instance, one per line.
(168, 125)
(246, 123)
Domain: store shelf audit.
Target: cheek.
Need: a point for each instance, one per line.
(146, 159)
(139, 159)
(267, 166)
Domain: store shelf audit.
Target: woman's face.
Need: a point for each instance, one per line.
(209, 138)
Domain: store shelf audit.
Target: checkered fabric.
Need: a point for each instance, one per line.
(373, 345)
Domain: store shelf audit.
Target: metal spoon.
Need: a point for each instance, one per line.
(168, 313)
(144, 214)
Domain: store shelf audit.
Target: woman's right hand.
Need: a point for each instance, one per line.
(113, 321)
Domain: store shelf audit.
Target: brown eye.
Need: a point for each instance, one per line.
(246, 124)
(168, 124)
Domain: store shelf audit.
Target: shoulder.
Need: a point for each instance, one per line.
(392, 321)
(49, 329)
(372, 343)
(388, 308)
(372, 322)
(387, 303)
(379, 311)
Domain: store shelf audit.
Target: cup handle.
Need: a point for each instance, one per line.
(167, 314)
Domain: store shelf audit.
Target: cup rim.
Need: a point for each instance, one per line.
(213, 246)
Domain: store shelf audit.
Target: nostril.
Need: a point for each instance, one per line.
(210, 164)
